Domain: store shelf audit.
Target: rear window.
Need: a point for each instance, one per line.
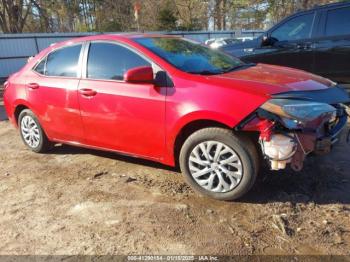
(338, 22)
(62, 62)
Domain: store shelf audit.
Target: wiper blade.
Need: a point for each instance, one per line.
(205, 72)
(230, 69)
(241, 66)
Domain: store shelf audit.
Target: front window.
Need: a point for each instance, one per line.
(110, 61)
(189, 56)
(295, 29)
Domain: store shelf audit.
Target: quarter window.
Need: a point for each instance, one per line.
(111, 61)
(338, 22)
(40, 68)
(62, 62)
(294, 29)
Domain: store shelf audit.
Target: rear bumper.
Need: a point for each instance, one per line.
(8, 109)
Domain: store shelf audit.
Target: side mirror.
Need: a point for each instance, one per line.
(268, 41)
(142, 74)
(265, 41)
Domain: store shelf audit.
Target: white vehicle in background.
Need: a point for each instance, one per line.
(219, 42)
(245, 38)
(209, 41)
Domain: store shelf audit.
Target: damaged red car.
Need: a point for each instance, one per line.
(174, 101)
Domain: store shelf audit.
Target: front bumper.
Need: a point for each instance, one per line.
(286, 142)
(324, 144)
(282, 145)
(319, 142)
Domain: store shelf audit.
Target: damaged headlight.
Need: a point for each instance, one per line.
(300, 110)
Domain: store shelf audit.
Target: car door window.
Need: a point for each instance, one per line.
(338, 22)
(61, 62)
(294, 29)
(111, 61)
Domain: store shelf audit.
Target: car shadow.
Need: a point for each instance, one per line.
(73, 150)
(317, 183)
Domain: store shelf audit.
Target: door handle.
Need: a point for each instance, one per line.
(87, 92)
(306, 46)
(299, 46)
(33, 85)
(310, 45)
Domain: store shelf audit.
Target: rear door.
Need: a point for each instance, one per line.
(292, 45)
(52, 93)
(126, 117)
(332, 53)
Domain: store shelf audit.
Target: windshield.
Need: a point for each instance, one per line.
(189, 56)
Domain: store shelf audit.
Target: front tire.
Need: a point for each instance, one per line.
(32, 133)
(218, 163)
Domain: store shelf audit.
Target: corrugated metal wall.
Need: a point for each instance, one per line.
(16, 48)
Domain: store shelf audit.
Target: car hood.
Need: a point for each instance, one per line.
(270, 80)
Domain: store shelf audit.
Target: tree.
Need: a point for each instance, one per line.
(42, 15)
(13, 15)
(166, 19)
(278, 9)
(192, 14)
(115, 15)
(18, 16)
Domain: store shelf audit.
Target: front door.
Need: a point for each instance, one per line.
(127, 117)
(290, 44)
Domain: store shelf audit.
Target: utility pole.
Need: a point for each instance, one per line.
(137, 8)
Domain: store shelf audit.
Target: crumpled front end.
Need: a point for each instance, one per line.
(293, 125)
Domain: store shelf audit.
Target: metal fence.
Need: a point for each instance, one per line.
(16, 48)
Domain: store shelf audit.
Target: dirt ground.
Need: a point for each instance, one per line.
(79, 201)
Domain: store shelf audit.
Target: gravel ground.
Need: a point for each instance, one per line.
(80, 201)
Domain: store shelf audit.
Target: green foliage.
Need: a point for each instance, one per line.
(166, 20)
(109, 26)
(193, 25)
(18, 16)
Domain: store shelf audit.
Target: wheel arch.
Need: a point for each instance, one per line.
(188, 129)
(17, 111)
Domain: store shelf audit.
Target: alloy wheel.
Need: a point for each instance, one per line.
(30, 131)
(215, 166)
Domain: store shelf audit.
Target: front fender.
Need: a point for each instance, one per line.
(227, 120)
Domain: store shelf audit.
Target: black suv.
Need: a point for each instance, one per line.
(317, 40)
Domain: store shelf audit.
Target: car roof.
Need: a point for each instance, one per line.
(122, 36)
(142, 35)
(314, 9)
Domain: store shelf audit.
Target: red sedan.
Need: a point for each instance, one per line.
(175, 101)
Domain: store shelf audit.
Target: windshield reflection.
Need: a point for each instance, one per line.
(189, 56)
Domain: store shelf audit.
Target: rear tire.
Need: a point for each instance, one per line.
(32, 133)
(218, 163)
